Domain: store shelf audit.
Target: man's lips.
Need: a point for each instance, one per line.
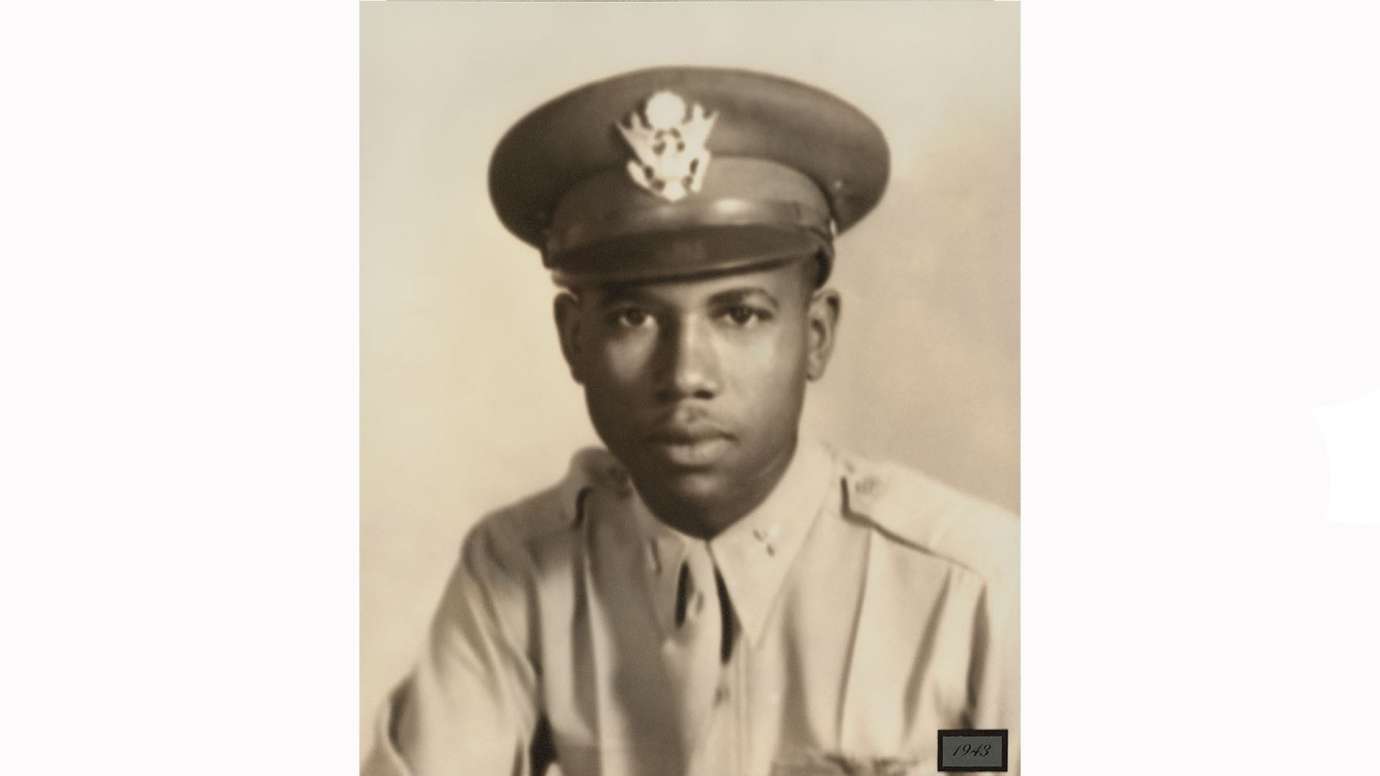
(686, 435)
(689, 446)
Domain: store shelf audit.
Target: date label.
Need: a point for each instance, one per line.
(972, 751)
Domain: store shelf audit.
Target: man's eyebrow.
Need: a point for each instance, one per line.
(738, 295)
(621, 294)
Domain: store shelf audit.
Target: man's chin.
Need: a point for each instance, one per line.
(695, 487)
(703, 485)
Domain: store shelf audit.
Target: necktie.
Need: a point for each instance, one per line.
(698, 646)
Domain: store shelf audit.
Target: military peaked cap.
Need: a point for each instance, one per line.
(680, 171)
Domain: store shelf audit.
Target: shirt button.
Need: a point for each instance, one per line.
(721, 694)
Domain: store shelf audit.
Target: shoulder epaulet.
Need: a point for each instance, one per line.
(559, 507)
(926, 514)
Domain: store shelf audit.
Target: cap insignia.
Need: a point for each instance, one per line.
(668, 141)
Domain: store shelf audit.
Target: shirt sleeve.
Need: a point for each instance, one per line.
(470, 705)
(995, 681)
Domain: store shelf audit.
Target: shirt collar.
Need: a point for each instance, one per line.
(755, 554)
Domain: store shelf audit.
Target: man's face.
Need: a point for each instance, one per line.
(697, 385)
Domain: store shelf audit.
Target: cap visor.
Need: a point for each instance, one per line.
(687, 252)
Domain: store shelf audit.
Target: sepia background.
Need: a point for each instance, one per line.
(465, 402)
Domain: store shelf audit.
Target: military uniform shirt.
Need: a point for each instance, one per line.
(870, 606)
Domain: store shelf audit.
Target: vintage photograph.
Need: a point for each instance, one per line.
(689, 388)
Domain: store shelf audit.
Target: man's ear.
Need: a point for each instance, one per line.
(568, 322)
(822, 317)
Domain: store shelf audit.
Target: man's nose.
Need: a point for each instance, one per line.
(690, 362)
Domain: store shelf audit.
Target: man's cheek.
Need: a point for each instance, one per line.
(621, 365)
(773, 365)
(762, 350)
(626, 376)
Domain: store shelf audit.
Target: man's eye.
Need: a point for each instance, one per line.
(631, 318)
(742, 315)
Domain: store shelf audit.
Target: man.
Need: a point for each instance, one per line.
(713, 594)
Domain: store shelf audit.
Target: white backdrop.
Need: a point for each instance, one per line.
(465, 402)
